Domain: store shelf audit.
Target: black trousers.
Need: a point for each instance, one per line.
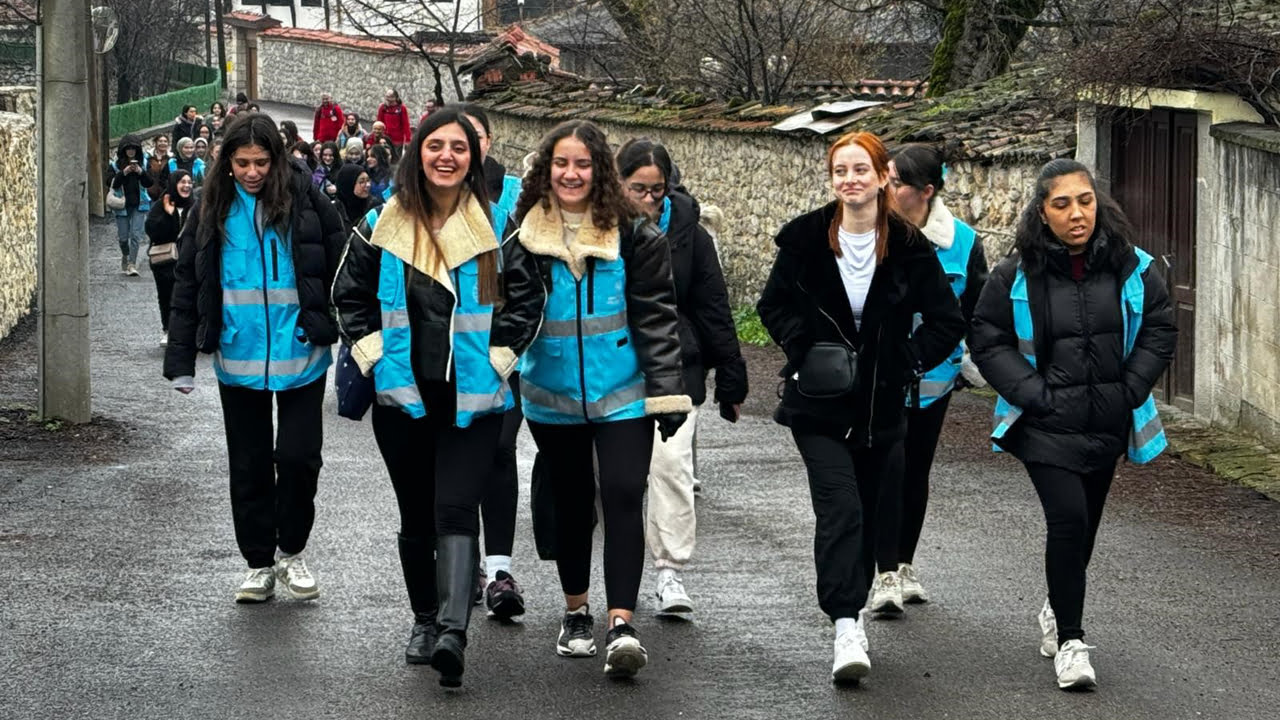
(622, 449)
(439, 472)
(163, 275)
(273, 479)
(498, 510)
(924, 426)
(843, 481)
(1073, 504)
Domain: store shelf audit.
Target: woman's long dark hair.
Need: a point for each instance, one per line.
(411, 189)
(334, 166)
(276, 196)
(919, 166)
(291, 129)
(1111, 228)
(639, 153)
(609, 208)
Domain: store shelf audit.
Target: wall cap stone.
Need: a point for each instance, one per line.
(1252, 135)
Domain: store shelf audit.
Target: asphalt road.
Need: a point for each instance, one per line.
(117, 577)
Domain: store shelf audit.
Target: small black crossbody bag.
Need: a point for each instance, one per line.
(830, 369)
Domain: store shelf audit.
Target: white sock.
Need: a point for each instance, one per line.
(494, 563)
(845, 625)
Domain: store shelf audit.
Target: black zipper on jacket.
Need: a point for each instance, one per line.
(591, 286)
(582, 361)
(1088, 344)
(266, 304)
(875, 373)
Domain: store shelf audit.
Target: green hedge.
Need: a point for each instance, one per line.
(161, 109)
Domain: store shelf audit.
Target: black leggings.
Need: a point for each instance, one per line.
(439, 472)
(163, 276)
(622, 449)
(1073, 505)
(499, 506)
(921, 444)
(843, 480)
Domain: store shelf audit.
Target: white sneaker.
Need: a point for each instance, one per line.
(912, 590)
(886, 594)
(851, 661)
(258, 586)
(1073, 667)
(671, 595)
(292, 572)
(1048, 630)
(164, 339)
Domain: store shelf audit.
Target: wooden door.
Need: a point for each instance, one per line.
(251, 70)
(1153, 177)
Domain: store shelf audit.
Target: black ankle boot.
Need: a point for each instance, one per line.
(417, 560)
(457, 557)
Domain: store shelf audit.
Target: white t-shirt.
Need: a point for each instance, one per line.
(857, 263)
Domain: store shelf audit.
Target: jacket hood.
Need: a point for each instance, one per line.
(128, 141)
(940, 228)
(685, 214)
(494, 175)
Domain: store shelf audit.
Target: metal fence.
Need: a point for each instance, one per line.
(161, 109)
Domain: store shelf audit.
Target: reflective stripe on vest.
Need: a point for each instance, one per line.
(261, 345)
(955, 264)
(479, 388)
(582, 366)
(1146, 437)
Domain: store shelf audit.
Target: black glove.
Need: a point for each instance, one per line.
(669, 423)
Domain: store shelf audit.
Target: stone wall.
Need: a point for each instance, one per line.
(17, 217)
(16, 71)
(762, 180)
(1241, 282)
(298, 72)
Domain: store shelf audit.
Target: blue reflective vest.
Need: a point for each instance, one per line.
(955, 263)
(480, 390)
(582, 367)
(197, 169)
(1146, 437)
(505, 205)
(261, 345)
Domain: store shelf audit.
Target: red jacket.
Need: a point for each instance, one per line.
(397, 121)
(328, 122)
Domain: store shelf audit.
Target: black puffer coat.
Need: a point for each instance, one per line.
(1078, 402)
(131, 183)
(805, 300)
(195, 323)
(708, 338)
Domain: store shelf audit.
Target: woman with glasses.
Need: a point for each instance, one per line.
(604, 367)
(708, 340)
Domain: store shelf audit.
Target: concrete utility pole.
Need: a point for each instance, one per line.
(98, 134)
(62, 212)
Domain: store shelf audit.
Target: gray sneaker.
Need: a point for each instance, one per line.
(258, 586)
(297, 580)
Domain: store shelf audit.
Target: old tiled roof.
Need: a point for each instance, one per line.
(365, 43)
(864, 89)
(245, 18)
(1013, 117)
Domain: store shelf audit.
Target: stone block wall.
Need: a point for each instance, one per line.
(298, 72)
(1241, 282)
(17, 217)
(763, 180)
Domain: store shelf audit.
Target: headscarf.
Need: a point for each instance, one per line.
(182, 203)
(345, 182)
(183, 142)
(354, 144)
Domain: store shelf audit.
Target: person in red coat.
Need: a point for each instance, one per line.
(395, 116)
(328, 120)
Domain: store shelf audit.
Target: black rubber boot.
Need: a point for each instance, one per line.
(417, 559)
(457, 557)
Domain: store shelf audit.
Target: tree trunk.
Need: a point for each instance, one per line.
(978, 40)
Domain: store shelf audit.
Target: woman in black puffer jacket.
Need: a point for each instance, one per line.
(854, 273)
(1073, 330)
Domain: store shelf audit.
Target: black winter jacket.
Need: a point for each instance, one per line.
(431, 306)
(161, 226)
(195, 322)
(133, 184)
(1078, 402)
(805, 300)
(708, 338)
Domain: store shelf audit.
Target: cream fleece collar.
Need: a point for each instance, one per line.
(466, 234)
(940, 228)
(542, 233)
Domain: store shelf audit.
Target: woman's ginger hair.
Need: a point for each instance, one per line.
(885, 204)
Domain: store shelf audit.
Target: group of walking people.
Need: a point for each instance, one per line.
(586, 300)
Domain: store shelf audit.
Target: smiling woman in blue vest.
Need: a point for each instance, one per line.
(1073, 330)
(255, 260)
(605, 365)
(860, 306)
(708, 340)
(437, 311)
(917, 176)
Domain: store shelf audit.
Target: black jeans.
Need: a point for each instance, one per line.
(1073, 505)
(163, 275)
(498, 510)
(622, 449)
(439, 472)
(843, 480)
(919, 447)
(273, 484)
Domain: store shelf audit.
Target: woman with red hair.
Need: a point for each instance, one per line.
(859, 303)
